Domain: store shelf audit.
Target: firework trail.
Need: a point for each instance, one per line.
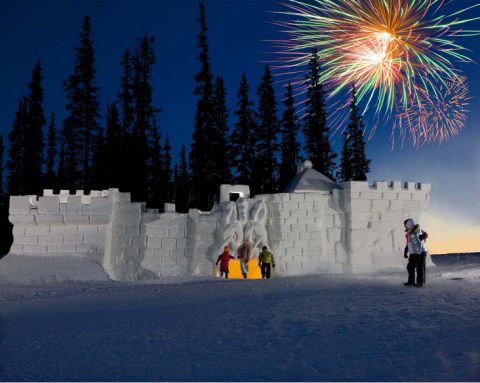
(398, 53)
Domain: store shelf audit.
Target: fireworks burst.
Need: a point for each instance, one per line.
(398, 53)
(436, 118)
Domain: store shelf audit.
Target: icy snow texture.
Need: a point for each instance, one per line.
(313, 328)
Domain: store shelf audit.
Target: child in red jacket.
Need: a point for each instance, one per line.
(224, 259)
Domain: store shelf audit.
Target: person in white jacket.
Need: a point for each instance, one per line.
(416, 252)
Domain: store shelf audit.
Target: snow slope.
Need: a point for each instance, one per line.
(324, 327)
(35, 269)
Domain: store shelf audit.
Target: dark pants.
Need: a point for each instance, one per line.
(266, 269)
(416, 263)
(224, 272)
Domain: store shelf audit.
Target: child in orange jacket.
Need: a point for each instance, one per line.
(224, 259)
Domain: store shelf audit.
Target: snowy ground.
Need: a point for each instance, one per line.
(366, 327)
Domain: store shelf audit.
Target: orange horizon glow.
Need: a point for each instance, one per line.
(450, 235)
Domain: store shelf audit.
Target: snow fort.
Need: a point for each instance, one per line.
(314, 226)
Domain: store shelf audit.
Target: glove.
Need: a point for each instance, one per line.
(273, 264)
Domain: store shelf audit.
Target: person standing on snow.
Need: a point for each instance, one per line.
(266, 262)
(416, 252)
(224, 260)
(244, 253)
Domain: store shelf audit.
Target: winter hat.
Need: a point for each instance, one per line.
(409, 223)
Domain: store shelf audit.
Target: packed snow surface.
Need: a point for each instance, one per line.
(319, 327)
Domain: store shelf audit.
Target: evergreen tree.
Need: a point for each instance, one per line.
(290, 147)
(145, 147)
(98, 168)
(16, 150)
(361, 165)
(114, 156)
(354, 163)
(243, 137)
(50, 176)
(125, 95)
(201, 155)
(346, 171)
(1, 170)
(155, 176)
(182, 184)
(220, 144)
(62, 181)
(316, 131)
(266, 164)
(33, 140)
(126, 104)
(168, 187)
(80, 126)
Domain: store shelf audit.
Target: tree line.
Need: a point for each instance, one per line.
(129, 152)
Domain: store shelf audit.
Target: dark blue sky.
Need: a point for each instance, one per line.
(49, 30)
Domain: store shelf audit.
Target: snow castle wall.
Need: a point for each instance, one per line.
(354, 228)
(61, 224)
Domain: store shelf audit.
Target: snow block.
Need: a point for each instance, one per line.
(50, 239)
(380, 205)
(76, 219)
(74, 205)
(19, 205)
(48, 205)
(26, 240)
(297, 197)
(36, 230)
(101, 206)
(50, 219)
(22, 219)
(61, 229)
(73, 239)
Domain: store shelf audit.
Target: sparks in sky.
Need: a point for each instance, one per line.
(399, 54)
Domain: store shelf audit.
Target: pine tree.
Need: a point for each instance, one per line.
(155, 185)
(243, 137)
(33, 140)
(290, 147)
(182, 184)
(266, 164)
(220, 144)
(61, 180)
(114, 157)
(354, 164)
(98, 168)
(16, 150)
(80, 126)
(201, 156)
(361, 165)
(168, 187)
(316, 131)
(126, 104)
(144, 139)
(50, 176)
(1, 169)
(346, 171)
